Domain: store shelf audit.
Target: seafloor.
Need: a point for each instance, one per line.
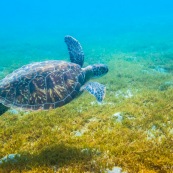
(131, 129)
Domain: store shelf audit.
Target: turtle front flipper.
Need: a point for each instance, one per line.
(96, 89)
(75, 50)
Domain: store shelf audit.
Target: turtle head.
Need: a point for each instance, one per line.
(94, 71)
(99, 70)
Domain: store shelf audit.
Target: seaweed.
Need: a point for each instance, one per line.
(140, 142)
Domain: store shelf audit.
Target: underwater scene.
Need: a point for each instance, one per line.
(86, 86)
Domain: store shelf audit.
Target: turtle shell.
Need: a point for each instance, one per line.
(42, 85)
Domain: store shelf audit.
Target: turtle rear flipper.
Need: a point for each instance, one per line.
(75, 50)
(96, 89)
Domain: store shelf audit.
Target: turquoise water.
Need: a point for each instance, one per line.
(34, 30)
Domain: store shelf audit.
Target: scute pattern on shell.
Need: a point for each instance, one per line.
(42, 85)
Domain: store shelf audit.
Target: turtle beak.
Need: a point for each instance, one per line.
(103, 69)
(106, 69)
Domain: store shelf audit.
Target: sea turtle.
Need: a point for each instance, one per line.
(54, 83)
